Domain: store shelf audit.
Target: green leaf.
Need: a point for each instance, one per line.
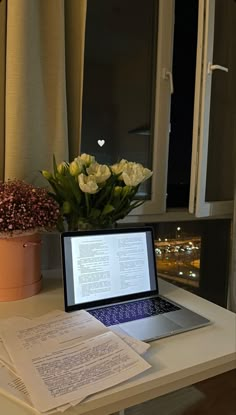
(54, 165)
(66, 208)
(60, 225)
(74, 187)
(95, 213)
(108, 209)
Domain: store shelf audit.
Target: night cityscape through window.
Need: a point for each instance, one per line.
(178, 259)
(195, 256)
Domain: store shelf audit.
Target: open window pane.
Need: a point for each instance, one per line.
(182, 103)
(119, 73)
(212, 157)
(221, 158)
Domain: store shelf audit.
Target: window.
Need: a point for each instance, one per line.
(212, 170)
(121, 89)
(195, 255)
(131, 110)
(118, 92)
(182, 103)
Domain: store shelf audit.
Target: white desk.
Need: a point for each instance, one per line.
(176, 361)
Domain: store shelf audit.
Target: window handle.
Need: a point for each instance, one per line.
(212, 67)
(167, 75)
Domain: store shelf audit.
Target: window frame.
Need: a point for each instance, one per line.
(198, 206)
(202, 103)
(155, 208)
(165, 36)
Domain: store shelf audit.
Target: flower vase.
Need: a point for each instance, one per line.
(20, 267)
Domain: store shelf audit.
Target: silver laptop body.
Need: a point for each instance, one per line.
(112, 274)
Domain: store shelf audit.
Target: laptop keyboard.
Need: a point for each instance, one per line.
(133, 310)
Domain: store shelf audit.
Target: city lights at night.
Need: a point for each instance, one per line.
(178, 258)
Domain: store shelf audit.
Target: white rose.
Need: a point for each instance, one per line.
(85, 159)
(119, 167)
(87, 184)
(100, 171)
(134, 174)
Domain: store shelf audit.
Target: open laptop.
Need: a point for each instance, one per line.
(112, 275)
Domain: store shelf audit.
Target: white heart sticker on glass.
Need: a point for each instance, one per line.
(101, 143)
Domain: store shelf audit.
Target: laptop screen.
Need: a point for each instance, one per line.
(103, 266)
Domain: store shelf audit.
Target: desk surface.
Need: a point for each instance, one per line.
(177, 361)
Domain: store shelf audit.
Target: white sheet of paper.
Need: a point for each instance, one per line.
(59, 329)
(95, 328)
(4, 355)
(12, 384)
(88, 367)
(62, 327)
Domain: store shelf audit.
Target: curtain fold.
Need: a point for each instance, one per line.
(2, 83)
(75, 20)
(232, 279)
(38, 67)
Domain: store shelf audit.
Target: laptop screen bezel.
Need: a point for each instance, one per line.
(118, 299)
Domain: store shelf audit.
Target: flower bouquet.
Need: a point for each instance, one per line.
(25, 209)
(95, 195)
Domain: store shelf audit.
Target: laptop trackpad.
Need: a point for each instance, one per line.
(150, 328)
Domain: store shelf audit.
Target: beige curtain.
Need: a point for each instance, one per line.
(75, 19)
(232, 280)
(44, 69)
(2, 83)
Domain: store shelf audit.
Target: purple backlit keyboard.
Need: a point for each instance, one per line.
(133, 310)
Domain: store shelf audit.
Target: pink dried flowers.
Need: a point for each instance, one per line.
(25, 208)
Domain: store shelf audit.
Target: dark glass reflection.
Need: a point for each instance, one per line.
(118, 81)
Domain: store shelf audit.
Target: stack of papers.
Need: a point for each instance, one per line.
(57, 360)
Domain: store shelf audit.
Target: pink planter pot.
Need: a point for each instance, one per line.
(20, 267)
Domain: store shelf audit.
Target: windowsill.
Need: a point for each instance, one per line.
(171, 215)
